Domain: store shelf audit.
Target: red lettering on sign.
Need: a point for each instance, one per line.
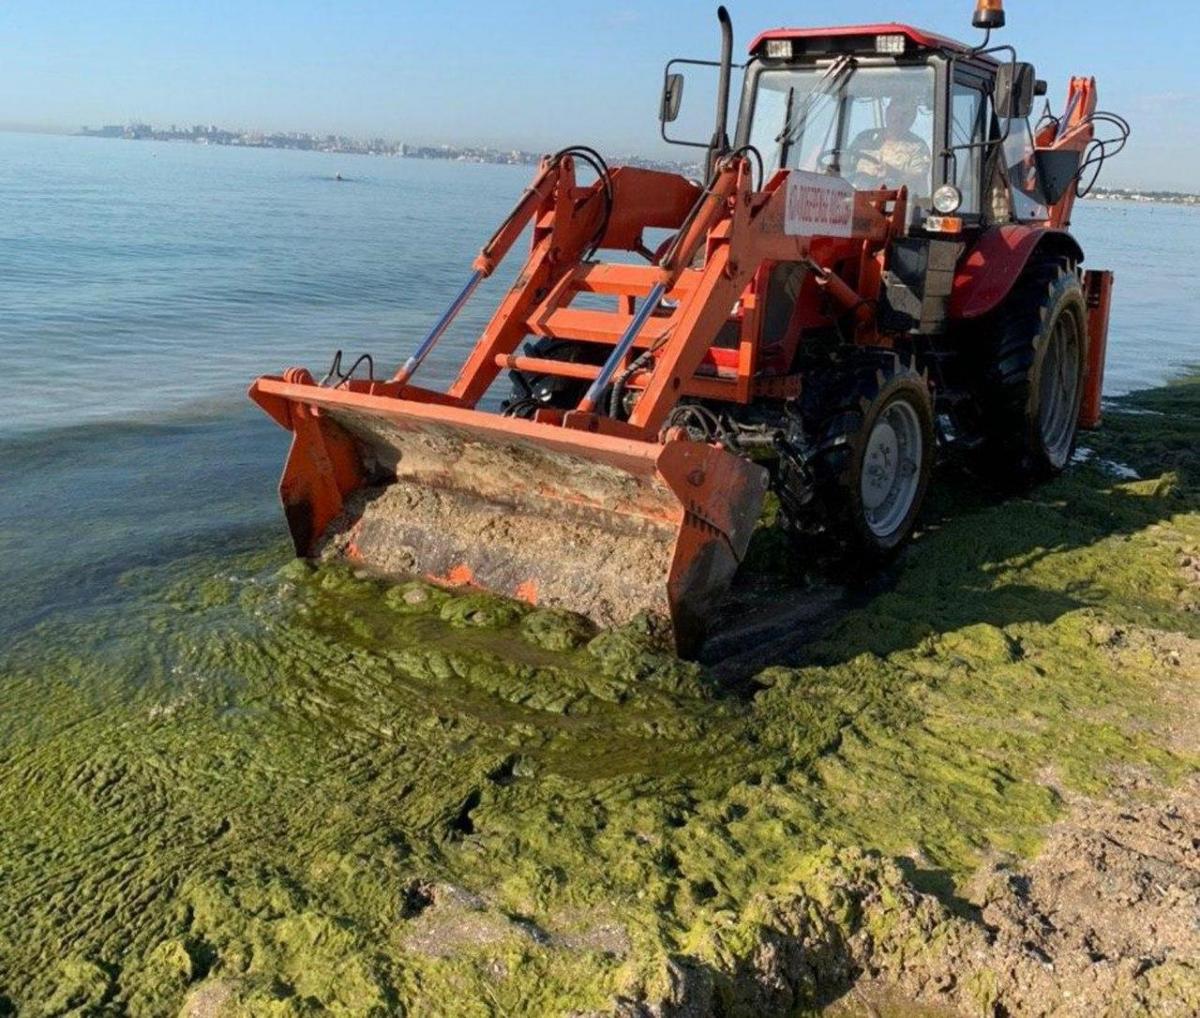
(815, 206)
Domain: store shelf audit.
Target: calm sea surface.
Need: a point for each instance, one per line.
(144, 285)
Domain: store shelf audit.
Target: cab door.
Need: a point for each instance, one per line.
(968, 152)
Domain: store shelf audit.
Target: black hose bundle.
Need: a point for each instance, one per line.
(616, 395)
(1101, 149)
(600, 168)
(335, 369)
(750, 150)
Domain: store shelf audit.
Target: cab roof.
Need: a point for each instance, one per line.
(842, 37)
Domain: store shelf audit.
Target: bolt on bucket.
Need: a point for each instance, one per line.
(606, 527)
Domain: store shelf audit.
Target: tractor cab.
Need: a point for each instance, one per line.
(810, 102)
(945, 126)
(888, 106)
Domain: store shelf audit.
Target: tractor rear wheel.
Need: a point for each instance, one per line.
(874, 457)
(1033, 378)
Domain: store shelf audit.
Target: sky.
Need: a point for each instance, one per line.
(531, 75)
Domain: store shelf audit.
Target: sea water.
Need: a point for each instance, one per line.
(144, 285)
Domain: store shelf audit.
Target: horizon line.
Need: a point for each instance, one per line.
(17, 127)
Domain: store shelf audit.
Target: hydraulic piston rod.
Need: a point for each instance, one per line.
(443, 323)
(621, 349)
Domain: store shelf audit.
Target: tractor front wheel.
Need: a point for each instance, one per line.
(874, 459)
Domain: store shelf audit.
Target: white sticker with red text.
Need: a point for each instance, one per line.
(818, 205)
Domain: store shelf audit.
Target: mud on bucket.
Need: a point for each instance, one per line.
(606, 527)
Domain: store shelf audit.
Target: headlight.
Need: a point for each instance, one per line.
(779, 49)
(947, 199)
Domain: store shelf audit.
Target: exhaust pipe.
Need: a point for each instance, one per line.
(720, 140)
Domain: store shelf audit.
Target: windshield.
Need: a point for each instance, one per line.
(870, 125)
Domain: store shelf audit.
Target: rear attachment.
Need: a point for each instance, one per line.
(608, 527)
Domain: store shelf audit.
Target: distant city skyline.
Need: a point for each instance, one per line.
(342, 145)
(214, 134)
(511, 75)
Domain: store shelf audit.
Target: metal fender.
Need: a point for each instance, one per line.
(991, 269)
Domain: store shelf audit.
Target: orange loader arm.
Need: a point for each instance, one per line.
(1074, 132)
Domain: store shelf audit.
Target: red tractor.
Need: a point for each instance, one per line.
(876, 269)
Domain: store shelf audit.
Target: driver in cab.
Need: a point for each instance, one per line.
(893, 155)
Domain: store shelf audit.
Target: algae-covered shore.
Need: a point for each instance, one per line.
(239, 786)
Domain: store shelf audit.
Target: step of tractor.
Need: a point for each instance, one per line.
(629, 280)
(708, 382)
(597, 326)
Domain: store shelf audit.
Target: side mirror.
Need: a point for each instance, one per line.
(672, 96)
(1014, 90)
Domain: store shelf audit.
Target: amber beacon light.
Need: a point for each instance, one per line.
(989, 14)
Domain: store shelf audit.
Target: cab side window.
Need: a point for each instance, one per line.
(967, 120)
(1021, 171)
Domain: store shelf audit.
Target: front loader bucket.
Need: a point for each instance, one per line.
(607, 527)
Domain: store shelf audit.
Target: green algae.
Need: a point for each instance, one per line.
(557, 630)
(231, 790)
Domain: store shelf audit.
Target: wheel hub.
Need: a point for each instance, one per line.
(1058, 404)
(880, 465)
(891, 468)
